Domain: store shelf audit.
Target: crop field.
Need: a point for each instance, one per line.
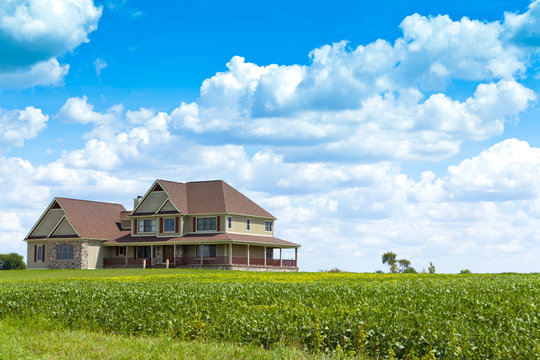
(366, 316)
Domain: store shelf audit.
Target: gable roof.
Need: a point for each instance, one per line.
(210, 197)
(93, 219)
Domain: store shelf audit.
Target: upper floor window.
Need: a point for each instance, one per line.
(168, 225)
(207, 223)
(229, 222)
(268, 226)
(148, 225)
(248, 224)
(64, 252)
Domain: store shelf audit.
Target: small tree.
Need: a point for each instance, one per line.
(12, 261)
(465, 271)
(410, 270)
(390, 259)
(431, 268)
(404, 264)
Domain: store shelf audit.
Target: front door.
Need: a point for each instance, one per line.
(168, 253)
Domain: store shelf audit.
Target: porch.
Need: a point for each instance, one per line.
(207, 256)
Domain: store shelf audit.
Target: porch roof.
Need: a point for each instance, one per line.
(128, 239)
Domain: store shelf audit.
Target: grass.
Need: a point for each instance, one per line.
(23, 340)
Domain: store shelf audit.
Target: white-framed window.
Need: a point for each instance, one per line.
(39, 256)
(207, 250)
(168, 225)
(268, 226)
(146, 226)
(229, 222)
(121, 250)
(206, 223)
(64, 252)
(248, 224)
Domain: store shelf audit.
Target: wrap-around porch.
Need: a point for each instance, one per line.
(225, 256)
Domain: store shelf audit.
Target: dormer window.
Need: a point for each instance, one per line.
(146, 226)
(268, 226)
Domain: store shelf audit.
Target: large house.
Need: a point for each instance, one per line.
(203, 224)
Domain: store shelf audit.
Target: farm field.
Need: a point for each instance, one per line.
(366, 316)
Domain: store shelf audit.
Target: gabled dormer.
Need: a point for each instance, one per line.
(52, 223)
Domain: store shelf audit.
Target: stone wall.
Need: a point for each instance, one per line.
(80, 255)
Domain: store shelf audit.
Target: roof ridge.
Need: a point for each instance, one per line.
(92, 201)
(176, 182)
(201, 181)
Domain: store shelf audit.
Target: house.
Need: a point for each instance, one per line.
(202, 224)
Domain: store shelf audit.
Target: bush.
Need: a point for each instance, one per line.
(409, 270)
(465, 271)
(11, 261)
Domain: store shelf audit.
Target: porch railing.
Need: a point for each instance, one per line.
(218, 260)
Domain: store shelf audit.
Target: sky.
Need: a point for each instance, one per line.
(364, 127)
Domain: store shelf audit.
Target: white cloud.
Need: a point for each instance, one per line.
(16, 126)
(33, 33)
(100, 64)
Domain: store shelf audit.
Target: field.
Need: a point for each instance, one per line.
(265, 315)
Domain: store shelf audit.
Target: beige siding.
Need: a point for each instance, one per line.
(222, 250)
(49, 221)
(96, 253)
(152, 202)
(239, 250)
(257, 225)
(64, 229)
(256, 251)
(30, 263)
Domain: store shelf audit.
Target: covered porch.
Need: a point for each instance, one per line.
(230, 255)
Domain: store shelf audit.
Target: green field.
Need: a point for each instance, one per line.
(276, 315)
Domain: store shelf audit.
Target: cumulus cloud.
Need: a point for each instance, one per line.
(16, 126)
(381, 99)
(34, 33)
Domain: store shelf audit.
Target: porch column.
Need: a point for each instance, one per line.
(230, 253)
(265, 256)
(280, 258)
(126, 254)
(202, 252)
(296, 257)
(151, 254)
(174, 255)
(248, 253)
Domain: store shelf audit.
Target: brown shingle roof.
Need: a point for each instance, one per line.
(210, 197)
(93, 219)
(127, 239)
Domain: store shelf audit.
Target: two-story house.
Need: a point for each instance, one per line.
(202, 224)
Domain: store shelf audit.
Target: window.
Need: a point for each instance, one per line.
(121, 250)
(39, 253)
(208, 223)
(64, 252)
(268, 226)
(146, 226)
(229, 222)
(143, 252)
(248, 224)
(208, 250)
(168, 225)
(269, 253)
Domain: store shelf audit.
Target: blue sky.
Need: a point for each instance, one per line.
(363, 126)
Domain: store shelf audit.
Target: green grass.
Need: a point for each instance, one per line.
(365, 315)
(28, 340)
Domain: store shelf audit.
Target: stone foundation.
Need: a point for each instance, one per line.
(80, 255)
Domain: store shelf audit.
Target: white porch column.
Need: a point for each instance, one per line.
(202, 252)
(265, 256)
(151, 254)
(296, 257)
(174, 255)
(126, 254)
(280, 257)
(248, 253)
(230, 253)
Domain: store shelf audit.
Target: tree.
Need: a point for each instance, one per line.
(410, 270)
(390, 259)
(404, 264)
(465, 271)
(11, 261)
(431, 268)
